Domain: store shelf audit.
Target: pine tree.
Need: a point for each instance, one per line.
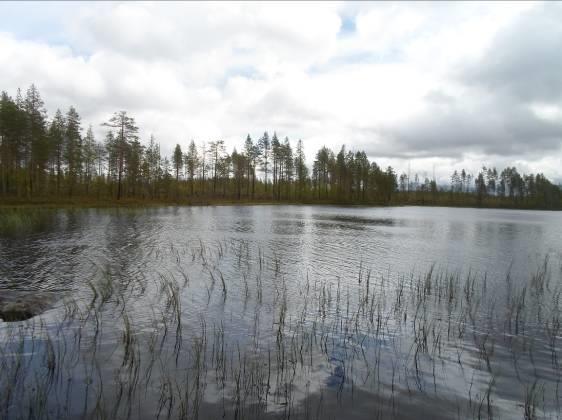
(265, 150)
(73, 149)
(288, 166)
(216, 152)
(192, 163)
(178, 163)
(57, 140)
(300, 168)
(89, 157)
(126, 131)
(35, 139)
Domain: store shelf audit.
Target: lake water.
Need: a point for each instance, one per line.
(283, 311)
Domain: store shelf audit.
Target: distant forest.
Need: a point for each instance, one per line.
(54, 160)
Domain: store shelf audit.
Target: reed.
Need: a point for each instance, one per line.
(168, 344)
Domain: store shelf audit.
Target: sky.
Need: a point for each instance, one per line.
(428, 86)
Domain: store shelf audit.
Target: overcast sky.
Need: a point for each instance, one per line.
(444, 85)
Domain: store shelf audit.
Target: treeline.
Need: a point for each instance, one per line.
(56, 159)
(489, 188)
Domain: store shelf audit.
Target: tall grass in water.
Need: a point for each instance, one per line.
(15, 221)
(261, 344)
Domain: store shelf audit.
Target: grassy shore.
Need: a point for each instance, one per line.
(398, 200)
(80, 203)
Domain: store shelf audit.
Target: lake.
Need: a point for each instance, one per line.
(281, 311)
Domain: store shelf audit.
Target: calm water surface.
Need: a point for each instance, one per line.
(283, 311)
(331, 241)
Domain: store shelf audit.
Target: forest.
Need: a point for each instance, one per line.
(58, 160)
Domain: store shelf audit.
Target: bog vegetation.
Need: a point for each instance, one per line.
(127, 344)
(55, 159)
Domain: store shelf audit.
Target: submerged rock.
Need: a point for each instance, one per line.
(20, 306)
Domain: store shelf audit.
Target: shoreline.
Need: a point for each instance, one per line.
(107, 204)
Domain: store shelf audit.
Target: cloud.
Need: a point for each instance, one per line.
(504, 103)
(439, 82)
(524, 61)
(486, 123)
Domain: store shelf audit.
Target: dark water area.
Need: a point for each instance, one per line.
(281, 311)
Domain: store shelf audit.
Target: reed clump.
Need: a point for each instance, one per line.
(229, 330)
(14, 221)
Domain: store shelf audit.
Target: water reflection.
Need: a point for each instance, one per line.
(274, 309)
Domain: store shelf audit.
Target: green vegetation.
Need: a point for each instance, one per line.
(14, 221)
(52, 161)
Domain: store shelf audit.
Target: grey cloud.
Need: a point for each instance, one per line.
(280, 109)
(524, 60)
(493, 116)
(171, 68)
(453, 130)
(439, 97)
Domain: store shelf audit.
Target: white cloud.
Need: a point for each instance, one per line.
(548, 112)
(393, 86)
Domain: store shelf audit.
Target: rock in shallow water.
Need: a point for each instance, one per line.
(21, 306)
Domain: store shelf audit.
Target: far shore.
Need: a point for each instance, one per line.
(136, 203)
